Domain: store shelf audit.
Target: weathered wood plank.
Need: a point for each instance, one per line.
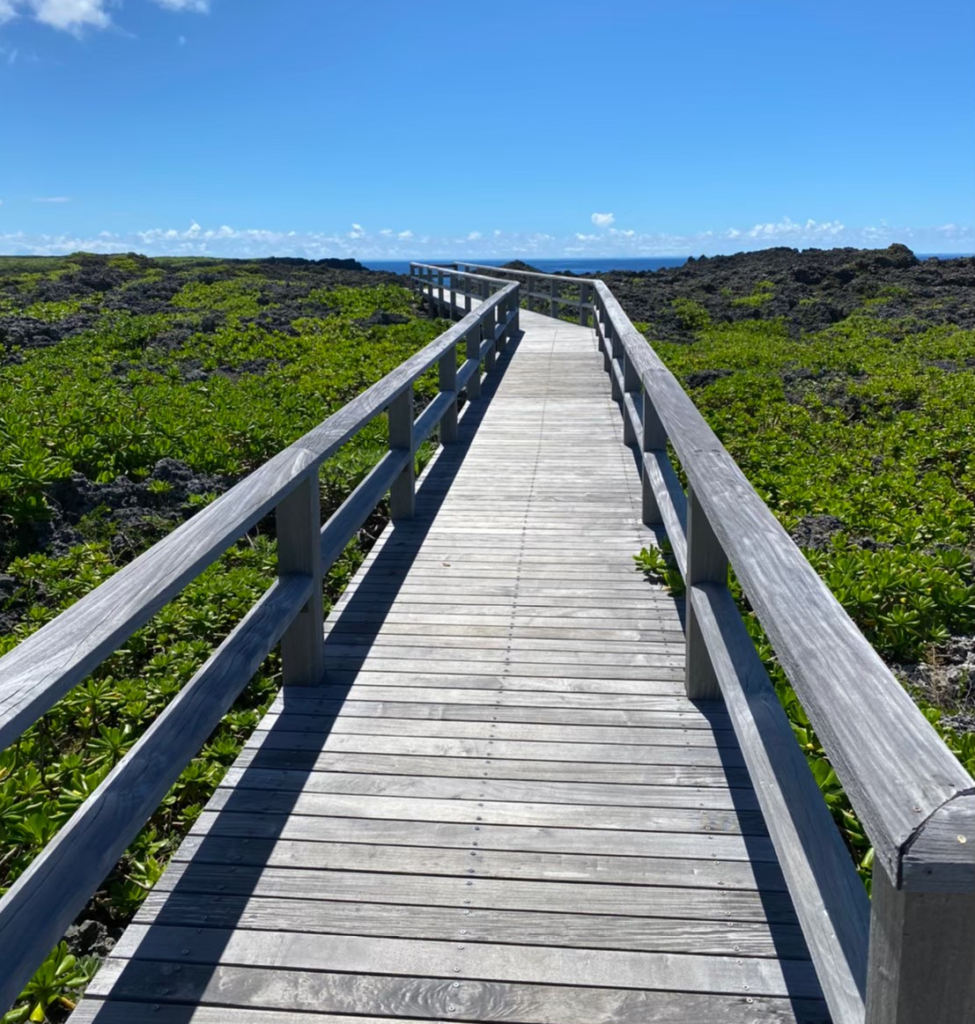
(427, 999)
(507, 790)
(516, 851)
(419, 958)
(584, 931)
(519, 750)
(340, 805)
(486, 705)
(675, 736)
(551, 892)
(499, 768)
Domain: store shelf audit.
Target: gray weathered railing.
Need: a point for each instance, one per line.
(549, 290)
(42, 902)
(907, 957)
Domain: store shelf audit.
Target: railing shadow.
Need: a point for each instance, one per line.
(231, 859)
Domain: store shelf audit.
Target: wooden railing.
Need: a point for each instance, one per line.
(907, 956)
(42, 902)
(552, 292)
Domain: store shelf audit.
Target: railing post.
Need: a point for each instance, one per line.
(553, 293)
(654, 439)
(448, 382)
(467, 296)
(922, 955)
(612, 350)
(706, 563)
(516, 309)
(402, 494)
(631, 386)
(474, 352)
(491, 332)
(441, 305)
(298, 525)
(583, 298)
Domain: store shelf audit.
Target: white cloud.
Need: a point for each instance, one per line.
(603, 220)
(786, 228)
(225, 240)
(473, 236)
(52, 199)
(70, 15)
(76, 15)
(197, 6)
(357, 231)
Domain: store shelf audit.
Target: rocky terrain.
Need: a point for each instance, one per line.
(811, 289)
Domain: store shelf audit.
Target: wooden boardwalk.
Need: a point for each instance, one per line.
(501, 806)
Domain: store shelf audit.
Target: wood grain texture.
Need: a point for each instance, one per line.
(894, 767)
(922, 956)
(438, 998)
(830, 899)
(501, 783)
(42, 902)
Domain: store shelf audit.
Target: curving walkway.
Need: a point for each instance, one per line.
(500, 806)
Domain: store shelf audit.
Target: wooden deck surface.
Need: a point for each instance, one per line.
(501, 806)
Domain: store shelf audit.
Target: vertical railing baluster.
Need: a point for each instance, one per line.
(631, 387)
(553, 294)
(402, 494)
(298, 525)
(447, 370)
(491, 333)
(654, 440)
(441, 307)
(706, 563)
(610, 360)
(583, 298)
(467, 294)
(474, 352)
(922, 947)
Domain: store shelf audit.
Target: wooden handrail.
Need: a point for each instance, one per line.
(915, 800)
(913, 948)
(44, 900)
(893, 765)
(552, 297)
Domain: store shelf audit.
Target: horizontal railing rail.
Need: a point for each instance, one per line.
(46, 898)
(909, 955)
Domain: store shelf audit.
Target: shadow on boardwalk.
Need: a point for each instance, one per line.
(244, 854)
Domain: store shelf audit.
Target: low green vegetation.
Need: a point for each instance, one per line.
(861, 440)
(132, 392)
(764, 292)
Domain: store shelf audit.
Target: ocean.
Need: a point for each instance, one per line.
(588, 266)
(553, 266)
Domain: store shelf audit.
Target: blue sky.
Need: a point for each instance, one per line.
(385, 129)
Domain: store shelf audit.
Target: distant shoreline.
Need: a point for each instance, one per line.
(593, 265)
